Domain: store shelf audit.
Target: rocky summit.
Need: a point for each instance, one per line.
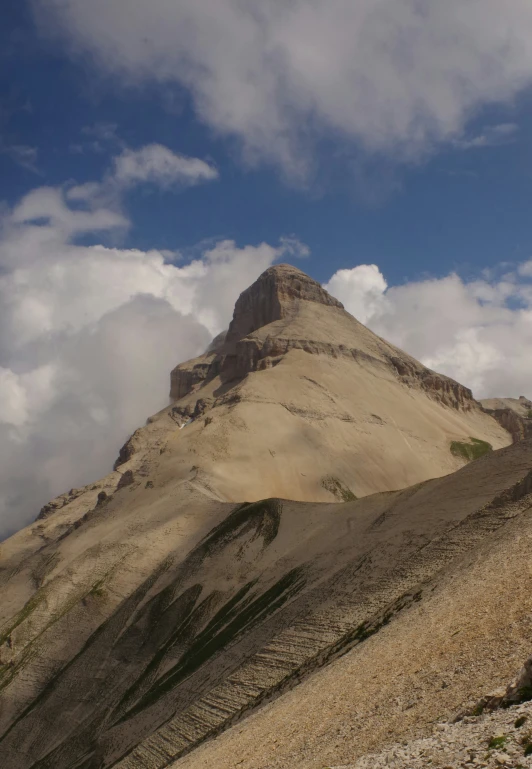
(317, 549)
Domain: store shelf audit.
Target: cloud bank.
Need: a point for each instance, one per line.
(395, 77)
(478, 332)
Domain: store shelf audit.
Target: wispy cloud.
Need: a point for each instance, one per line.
(23, 155)
(158, 165)
(97, 138)
(491, 136)
(154, 165)
(104, 131)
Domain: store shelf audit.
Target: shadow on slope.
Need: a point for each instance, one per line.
(272, 593)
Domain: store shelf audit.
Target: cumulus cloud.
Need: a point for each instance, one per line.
(88, 336)
(393, 77)
(360, 289)
(478, 332)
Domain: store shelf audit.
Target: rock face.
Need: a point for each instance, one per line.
(514, 414)
(275, 296)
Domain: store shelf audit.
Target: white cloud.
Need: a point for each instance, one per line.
(394, 77)
(84, 192)
(13, 401)
(159, 165)
(477, 332)
(525, 269)
(47, 204)
(152, 164)
(88, 336)
(360, 289)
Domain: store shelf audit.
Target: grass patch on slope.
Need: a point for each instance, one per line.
(470, 451)
(496, 743)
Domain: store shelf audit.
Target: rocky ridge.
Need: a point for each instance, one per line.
(277, 296)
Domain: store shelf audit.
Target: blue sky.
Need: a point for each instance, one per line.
(457, 209)
(155, 157)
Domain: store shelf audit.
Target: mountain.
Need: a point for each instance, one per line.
(299, 400)
(307, 487)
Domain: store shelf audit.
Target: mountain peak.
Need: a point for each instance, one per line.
(275, 295)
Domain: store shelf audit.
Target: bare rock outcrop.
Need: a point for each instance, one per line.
(126, 479)
(519, 427)
(59, 502)
(520, 690)
(441, 387)
(129, 448)
(275, 296)
(190, 375)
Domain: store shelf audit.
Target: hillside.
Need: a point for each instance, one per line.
(466, 636)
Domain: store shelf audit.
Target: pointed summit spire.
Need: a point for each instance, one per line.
(275, 295)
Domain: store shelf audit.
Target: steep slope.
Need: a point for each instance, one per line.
(140, 614)
(466, 636)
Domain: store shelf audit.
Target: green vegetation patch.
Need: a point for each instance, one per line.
(98, 589)
(338, 489)
(470, 451)
(525, 694)
(23, 614)
(497, 742)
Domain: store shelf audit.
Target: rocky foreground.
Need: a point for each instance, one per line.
(499, 740)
